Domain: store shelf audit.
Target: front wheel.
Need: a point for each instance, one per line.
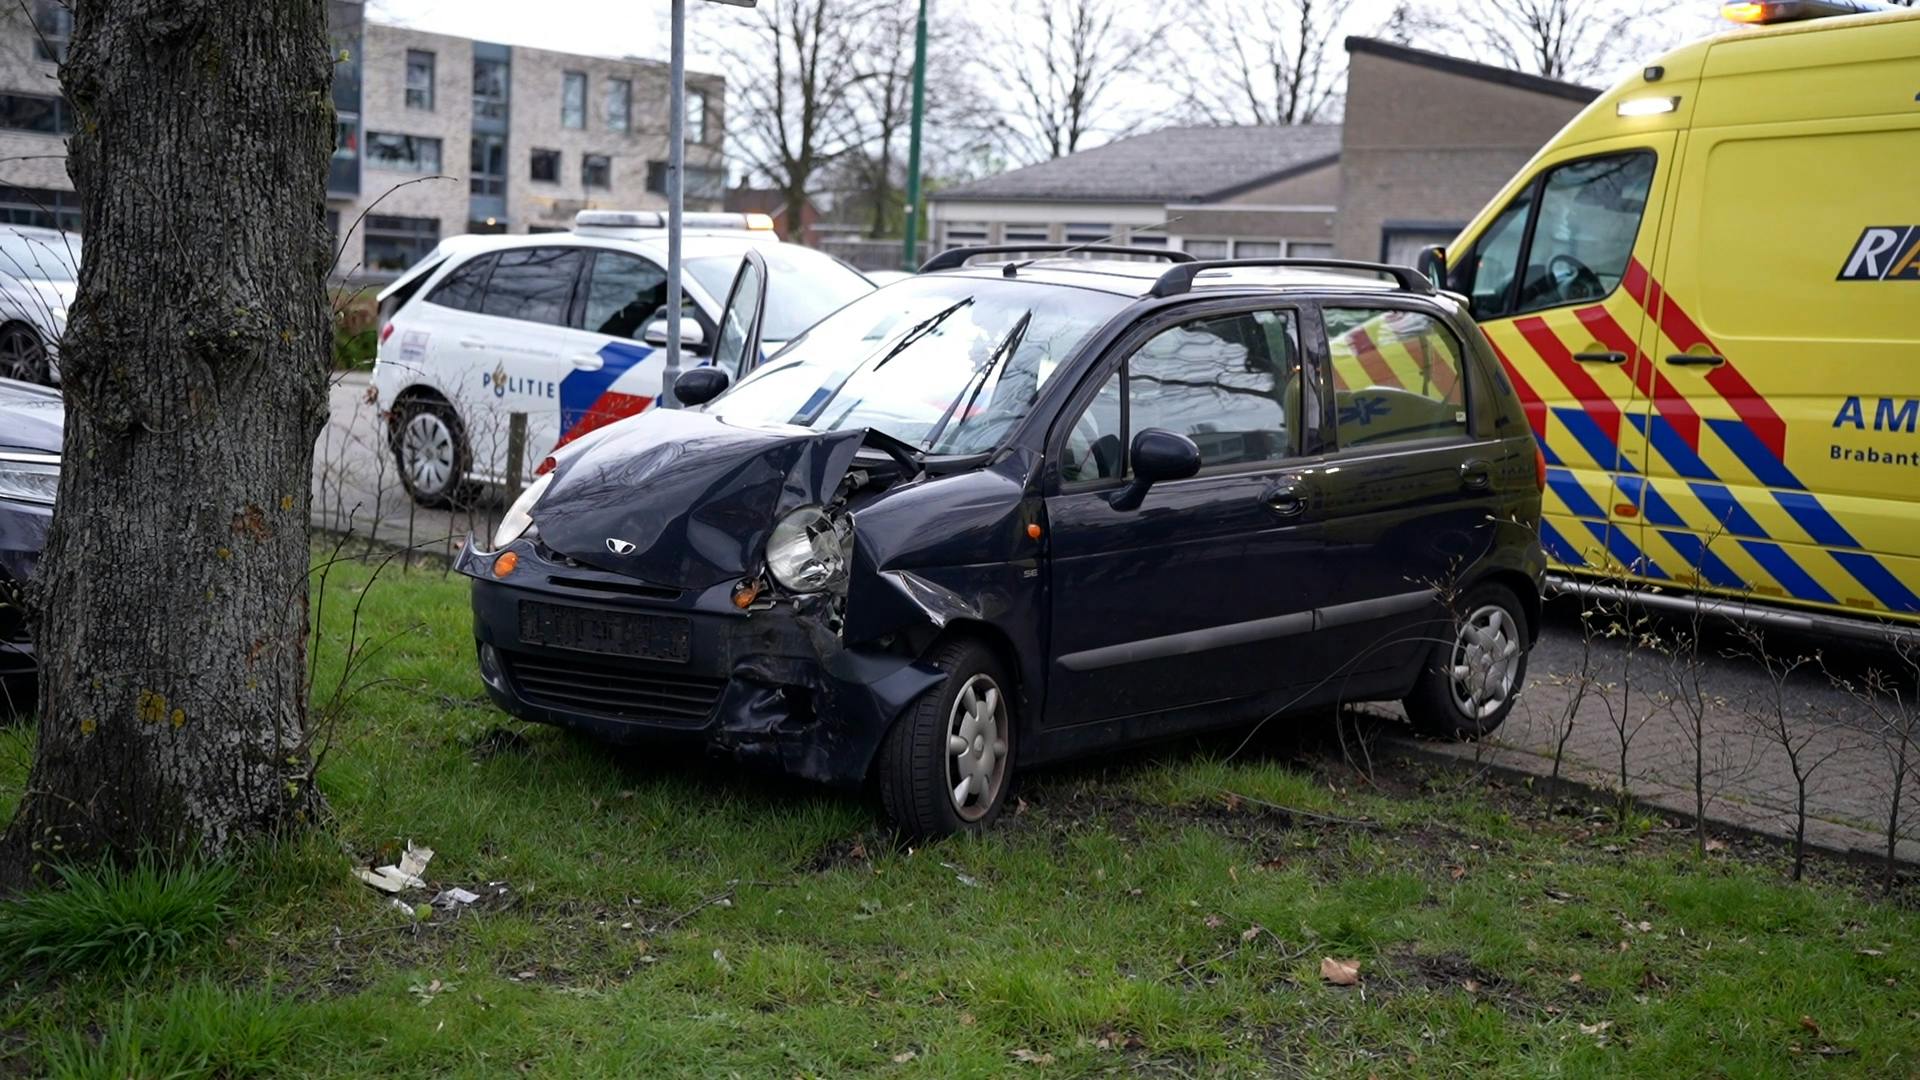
(946, 765)
(1471, 679)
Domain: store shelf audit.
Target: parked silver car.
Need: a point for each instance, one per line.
(39, 273)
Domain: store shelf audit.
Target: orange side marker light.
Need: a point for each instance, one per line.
(504, 565)
(1033, 532)
(745, 594)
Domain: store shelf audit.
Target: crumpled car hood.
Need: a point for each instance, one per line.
(694, 497)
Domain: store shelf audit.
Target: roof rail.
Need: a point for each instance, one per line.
(1179, 279)
(956, 257)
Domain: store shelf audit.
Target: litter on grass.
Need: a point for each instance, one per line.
(401, 876)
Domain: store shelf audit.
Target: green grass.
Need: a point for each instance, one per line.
(107, 917)
(646, 913)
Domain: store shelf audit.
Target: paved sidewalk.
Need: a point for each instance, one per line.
(1750, 781)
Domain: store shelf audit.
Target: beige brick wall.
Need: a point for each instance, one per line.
(27, 159)
(1426, 145)
(383, 108)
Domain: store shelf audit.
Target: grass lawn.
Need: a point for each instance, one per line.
(650, 915)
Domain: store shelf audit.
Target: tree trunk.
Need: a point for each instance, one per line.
(172, 595)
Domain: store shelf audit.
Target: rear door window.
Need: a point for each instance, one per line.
(533, 285)
(1398, 376)
(463, 289)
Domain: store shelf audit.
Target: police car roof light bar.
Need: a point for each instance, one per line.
(956, 257)
(1180, 279)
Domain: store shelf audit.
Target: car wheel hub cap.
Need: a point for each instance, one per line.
(1486, 661)
(976, 747)
(427, 446)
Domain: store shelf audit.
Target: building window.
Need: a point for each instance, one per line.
(619, 104)
(53, 29)
(1147, 240)
(546, 166)
(31, 112)
(965, 233)
(1205, 249)
(573, 99)
(489, 165)
(1313, 249)
(1028, 235)
(697, 117)
(403, 153)
(419, 79)
(699, 183)
(1258, 249)
(395, 243)
(44, 207)
(596, 171)
(490, 89)
(1084, 233)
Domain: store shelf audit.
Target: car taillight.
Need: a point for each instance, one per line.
(1539, 468)
(547, 467)
(385, 333)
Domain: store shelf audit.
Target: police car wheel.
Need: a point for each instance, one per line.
(1476, 671)
(948, 762)
(23, 356)
(429, 445)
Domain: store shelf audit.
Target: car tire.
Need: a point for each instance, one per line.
(959, 732)
(430, 448)
(1472, 676)
(24, 356)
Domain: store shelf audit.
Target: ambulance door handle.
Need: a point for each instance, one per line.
(1601, 357)
(587, 361)
(1696, 360)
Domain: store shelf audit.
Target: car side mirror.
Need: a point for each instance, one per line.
(693, 337)
(1433, 263)
(1158, 456)
(697, 386)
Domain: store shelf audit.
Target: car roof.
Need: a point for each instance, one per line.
(695, 243)
(1136, 278)
(38, 232)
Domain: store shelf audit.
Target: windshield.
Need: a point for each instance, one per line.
(806, 286)
(34, 258)
(946, 364)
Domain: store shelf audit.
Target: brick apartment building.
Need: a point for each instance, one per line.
(1426, 140)
(437, 135)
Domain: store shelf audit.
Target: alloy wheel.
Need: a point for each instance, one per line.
(1486, 661)
(22, 356)
(426, 453)
(976, 747)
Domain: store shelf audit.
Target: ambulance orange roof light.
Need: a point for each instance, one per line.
(1762, 12)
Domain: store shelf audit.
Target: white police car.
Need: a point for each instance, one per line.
(566, 328)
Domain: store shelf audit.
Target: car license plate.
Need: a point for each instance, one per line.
(611, 633)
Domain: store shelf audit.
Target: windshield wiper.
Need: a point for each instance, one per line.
(921, 329)
(978, 380)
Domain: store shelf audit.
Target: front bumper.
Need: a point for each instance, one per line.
(23, 534)
(771, 686)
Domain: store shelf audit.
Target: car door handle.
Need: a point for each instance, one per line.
(1601, 357)
(1287, 500)
(1696, 360)
(1476, 475)
(473, 343)
(588, 361)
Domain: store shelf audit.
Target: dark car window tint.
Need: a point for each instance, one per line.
(1096, 445)
(1397, 376)
(623, 293)
(464, 287)
(1231, 383)
(533, 284)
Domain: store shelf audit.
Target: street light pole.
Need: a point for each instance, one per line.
(908, 250)
(676, 164)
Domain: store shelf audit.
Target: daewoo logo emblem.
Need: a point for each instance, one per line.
(619, 546)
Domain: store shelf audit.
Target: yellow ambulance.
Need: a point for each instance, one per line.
(1706, 289)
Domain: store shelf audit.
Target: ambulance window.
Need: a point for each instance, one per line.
(1486, 274)
(1583, 235)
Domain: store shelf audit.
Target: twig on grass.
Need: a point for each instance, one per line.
(1354, 823)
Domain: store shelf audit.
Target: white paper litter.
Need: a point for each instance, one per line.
(406, 875)
(454, 897)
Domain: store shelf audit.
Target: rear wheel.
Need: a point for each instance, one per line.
(1472, 678)
(23, 356)
(430, 446)
(948, 762)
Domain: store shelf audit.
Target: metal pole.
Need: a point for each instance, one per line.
(676, 162)
(909, 249)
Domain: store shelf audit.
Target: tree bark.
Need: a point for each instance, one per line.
(172, 595)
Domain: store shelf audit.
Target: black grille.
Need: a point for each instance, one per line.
(621, 691)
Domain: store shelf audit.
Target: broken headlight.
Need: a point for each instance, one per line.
(519, 516)
(809, 550)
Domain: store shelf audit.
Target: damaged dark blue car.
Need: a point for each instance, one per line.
(1009, 512)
